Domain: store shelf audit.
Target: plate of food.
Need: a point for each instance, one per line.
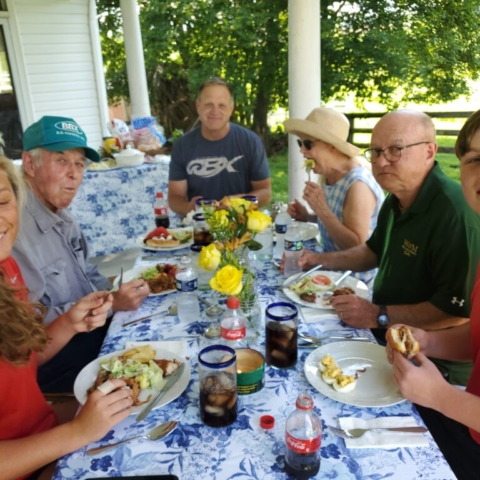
(164, 240)
(160, 278)
(310, 289)
(144, 369)
(105, 163)
(356, 374)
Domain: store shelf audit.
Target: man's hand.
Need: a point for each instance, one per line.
(297, 211)
(102, 412)
(89, 313)
(423, 384)
(309, 259)
(130, 296)
(355, 311)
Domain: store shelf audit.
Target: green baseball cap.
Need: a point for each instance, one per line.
(57, 134)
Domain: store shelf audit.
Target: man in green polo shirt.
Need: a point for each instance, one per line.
(426, 244)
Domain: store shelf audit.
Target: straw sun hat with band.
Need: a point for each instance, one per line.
(327, 125)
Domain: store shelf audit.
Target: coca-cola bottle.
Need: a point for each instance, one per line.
(160, 208)
(233, 324)
(303, 435)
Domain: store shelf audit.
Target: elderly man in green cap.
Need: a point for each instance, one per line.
(51, 249)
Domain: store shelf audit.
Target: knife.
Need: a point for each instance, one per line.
(141, 319)
(303, 275)
(171, 381)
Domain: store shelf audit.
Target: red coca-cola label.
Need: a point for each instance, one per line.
(233, 334)
(161, 211)
(302, 445)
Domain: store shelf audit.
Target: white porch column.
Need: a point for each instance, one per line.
(303, 79)
(137, 78)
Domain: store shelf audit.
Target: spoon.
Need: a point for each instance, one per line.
(212, 310)
(157, 433)
(213, 331)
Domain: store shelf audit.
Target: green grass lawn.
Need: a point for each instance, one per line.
(279, 169)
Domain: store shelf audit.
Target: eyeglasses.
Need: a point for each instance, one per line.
(392, 154)
(306, 143)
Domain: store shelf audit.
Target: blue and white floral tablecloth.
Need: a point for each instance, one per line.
(243, 450)
(114, 207)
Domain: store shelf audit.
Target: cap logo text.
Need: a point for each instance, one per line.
(72, 127)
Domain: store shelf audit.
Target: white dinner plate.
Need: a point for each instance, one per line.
(375, 387)
(139, 241)
(87, 376)
(307, 230)
(135, 273)
(360, 288)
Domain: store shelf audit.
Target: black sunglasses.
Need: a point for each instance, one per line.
(306, 143)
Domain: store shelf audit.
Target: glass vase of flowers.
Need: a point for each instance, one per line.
(233, 224)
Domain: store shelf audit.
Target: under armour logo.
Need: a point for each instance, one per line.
(209, 167)
(460, 302)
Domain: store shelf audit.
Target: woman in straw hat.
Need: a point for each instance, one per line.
(346, 202)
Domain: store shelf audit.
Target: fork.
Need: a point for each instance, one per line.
(358, 432)
(120, 282)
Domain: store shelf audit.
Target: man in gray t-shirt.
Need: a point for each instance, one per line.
(219, 158)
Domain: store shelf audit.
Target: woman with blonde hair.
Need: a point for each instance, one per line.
(347, 201)
(30, 437)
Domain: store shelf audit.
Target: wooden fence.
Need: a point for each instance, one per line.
(354, 129)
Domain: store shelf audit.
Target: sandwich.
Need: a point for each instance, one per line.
(402, 340)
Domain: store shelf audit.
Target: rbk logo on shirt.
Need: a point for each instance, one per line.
(209, 167)
(409, 249)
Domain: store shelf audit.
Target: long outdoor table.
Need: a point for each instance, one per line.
(242, 450)
(114, 207)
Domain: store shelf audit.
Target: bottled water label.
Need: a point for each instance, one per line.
(293, 245)
(187, 285)
(280, 229)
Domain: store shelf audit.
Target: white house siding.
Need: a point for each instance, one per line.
(59, 61)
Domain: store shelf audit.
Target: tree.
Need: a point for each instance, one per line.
(391, 51)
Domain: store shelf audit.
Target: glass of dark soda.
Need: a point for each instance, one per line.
(217, 371)
(281, 333)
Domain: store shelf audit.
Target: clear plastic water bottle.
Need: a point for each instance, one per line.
(293, 250)
(233, 325)
(187, 288)
(160, 208)
(303, 436)
(282, 220)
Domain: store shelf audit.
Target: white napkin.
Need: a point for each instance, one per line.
(312, 315)
(383, 439)
(176, 347)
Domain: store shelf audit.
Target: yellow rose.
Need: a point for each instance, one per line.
(258, 221)
(228, 280)
(209, 258)
(240, 204)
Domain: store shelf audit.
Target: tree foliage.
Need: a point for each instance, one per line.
(390, 51)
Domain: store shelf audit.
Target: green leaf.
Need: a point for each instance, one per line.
(253, 245)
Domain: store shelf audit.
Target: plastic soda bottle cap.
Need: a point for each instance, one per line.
(267, 422)
(233, 302)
